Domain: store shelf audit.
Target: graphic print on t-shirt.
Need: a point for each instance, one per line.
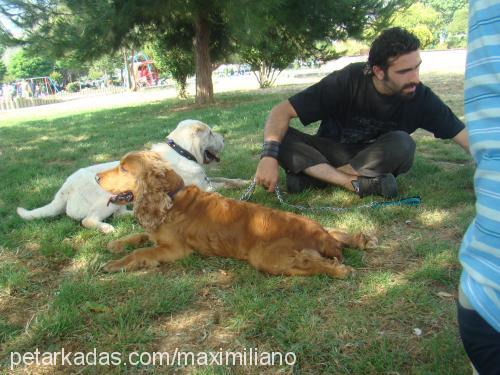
(365, 130)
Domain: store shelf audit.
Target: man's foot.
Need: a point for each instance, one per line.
(296, 183)
(384, 185)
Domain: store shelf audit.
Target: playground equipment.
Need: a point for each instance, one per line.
(38, 86)
(29, 92)
(145, 72)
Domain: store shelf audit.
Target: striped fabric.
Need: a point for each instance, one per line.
(480, 250)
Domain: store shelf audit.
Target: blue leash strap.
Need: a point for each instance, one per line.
(408, 201)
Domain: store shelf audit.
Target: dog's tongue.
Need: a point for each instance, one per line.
(121, 198)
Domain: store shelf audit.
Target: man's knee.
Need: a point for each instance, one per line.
(297, 153)
(292, 137)
(288, 154)
(402, 144)
(392, 152)
(402, 149)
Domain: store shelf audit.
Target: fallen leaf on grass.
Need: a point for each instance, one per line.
(444, 295)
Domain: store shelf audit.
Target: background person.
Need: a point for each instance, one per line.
(367, 113)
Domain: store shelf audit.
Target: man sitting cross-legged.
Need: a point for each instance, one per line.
(367, 113)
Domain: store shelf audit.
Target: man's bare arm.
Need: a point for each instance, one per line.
(274, 130)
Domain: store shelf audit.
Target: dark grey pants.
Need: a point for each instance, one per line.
(391, 153)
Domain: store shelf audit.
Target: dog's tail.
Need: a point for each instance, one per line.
(54, 208)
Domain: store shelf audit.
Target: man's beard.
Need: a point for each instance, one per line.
(400, 91)
(408, 95)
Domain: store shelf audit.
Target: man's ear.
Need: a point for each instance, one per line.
(378, 72)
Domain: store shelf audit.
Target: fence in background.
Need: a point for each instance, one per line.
(19, 102)
(8, 103)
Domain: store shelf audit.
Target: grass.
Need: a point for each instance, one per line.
(53, 294)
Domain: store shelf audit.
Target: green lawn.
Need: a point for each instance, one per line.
(53, 295)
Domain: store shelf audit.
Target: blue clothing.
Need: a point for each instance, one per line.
(480, 249)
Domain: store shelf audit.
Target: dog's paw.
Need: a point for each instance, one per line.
(106, 228)
(115, 246)
(371, 243)
(112, 266)
(242, 183)
(367, 242)
(124, 264)
(130, 263)
(236, 183)
(342, 271)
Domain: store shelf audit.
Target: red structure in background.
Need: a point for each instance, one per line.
(145, 72)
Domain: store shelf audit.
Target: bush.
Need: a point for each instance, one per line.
(352, 47)
(56, 76)
(457, 41)
(73, 87)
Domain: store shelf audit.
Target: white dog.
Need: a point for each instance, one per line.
(187, 148)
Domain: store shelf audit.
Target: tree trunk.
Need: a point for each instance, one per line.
(182, 88)
(130, 72)
(204, 86)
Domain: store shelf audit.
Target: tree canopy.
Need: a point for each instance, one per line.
(22, 65)
(173, 55)
(457, 29)
(271, 34)
(422, 20)
(446, 8)
(90, 28)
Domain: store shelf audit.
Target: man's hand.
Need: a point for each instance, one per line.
(276, 126)
(267, 173)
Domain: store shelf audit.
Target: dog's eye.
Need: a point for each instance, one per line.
(123, 169)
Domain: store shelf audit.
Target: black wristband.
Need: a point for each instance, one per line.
(271, 149)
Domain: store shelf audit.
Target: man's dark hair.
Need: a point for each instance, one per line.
(391, 44)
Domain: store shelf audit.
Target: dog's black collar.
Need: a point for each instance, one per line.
(181, 151)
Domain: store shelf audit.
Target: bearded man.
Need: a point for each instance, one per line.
(367, 113)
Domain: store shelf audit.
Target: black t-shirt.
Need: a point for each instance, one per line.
(353, 111)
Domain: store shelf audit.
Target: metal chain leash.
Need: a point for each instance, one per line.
(409, 201)
(317, 208)
(248, 193)
(211, 187)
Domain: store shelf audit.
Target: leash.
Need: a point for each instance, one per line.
(408, 201)
(211, 186)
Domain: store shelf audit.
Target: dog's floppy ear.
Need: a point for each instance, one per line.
(199, 127)
(200, 138)
(153, 200)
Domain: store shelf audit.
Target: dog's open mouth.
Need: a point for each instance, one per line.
(122, 198)
(210, 156)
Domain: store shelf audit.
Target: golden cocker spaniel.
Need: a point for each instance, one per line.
(182, 219)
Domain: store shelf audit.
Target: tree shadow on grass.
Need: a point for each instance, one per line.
(360, 325)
